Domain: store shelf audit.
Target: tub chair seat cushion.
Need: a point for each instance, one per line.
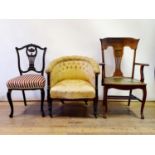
(72, 89)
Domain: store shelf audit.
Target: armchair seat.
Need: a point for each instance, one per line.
(72, 89)
(122, 81)
(28, 81)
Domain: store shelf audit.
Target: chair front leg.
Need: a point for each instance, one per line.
(50, 107)
(96, 95)
(95, 107)
(48, 94)
(130, 93)
(42, 102)
(143, 101)
(105, 100)
(10, 102)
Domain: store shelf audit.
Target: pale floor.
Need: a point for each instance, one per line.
(77, 118)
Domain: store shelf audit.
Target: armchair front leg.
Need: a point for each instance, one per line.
(49, 100)
(48, 86)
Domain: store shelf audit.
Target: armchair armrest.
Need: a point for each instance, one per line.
(142, 65)
(102, 64)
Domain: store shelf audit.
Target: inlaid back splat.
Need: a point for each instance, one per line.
(118, 45)
(31, 52)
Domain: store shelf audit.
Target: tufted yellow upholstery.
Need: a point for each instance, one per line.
(72, 77)
(72, 89)
(74, 58)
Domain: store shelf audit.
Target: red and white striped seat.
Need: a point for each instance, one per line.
(28, 81)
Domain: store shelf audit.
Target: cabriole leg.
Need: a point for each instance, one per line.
(10, 102)
(143, 102)
(105, 101)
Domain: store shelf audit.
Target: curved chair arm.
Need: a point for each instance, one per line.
(102, 64)
(103, 71)
(142, 65)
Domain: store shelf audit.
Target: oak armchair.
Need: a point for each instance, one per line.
(118, 80)
(72, 78)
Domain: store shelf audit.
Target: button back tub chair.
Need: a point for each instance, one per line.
(72, 78)
(118, 80)
(27, 80)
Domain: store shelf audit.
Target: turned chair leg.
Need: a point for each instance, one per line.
(105, 101)
(50, 107)
(95, 107)
(130, 93)
(10, 102)
(24, 97)
(42, 102)
(143, 102)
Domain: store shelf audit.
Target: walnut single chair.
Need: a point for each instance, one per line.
(26, 80)
(118, 81)
(72, 78)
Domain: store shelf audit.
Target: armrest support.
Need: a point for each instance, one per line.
(142, 65)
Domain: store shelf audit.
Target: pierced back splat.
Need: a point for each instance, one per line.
(118, 45)
(31, 52)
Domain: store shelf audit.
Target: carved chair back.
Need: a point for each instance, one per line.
(118, 45)
(31, 51)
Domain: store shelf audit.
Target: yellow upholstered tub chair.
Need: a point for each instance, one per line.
(72, 78)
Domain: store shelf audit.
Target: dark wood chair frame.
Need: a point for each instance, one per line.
(31, 52)
(50, 100)
(118, 44)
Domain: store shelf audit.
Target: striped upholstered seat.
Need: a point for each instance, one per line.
(28, 81)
